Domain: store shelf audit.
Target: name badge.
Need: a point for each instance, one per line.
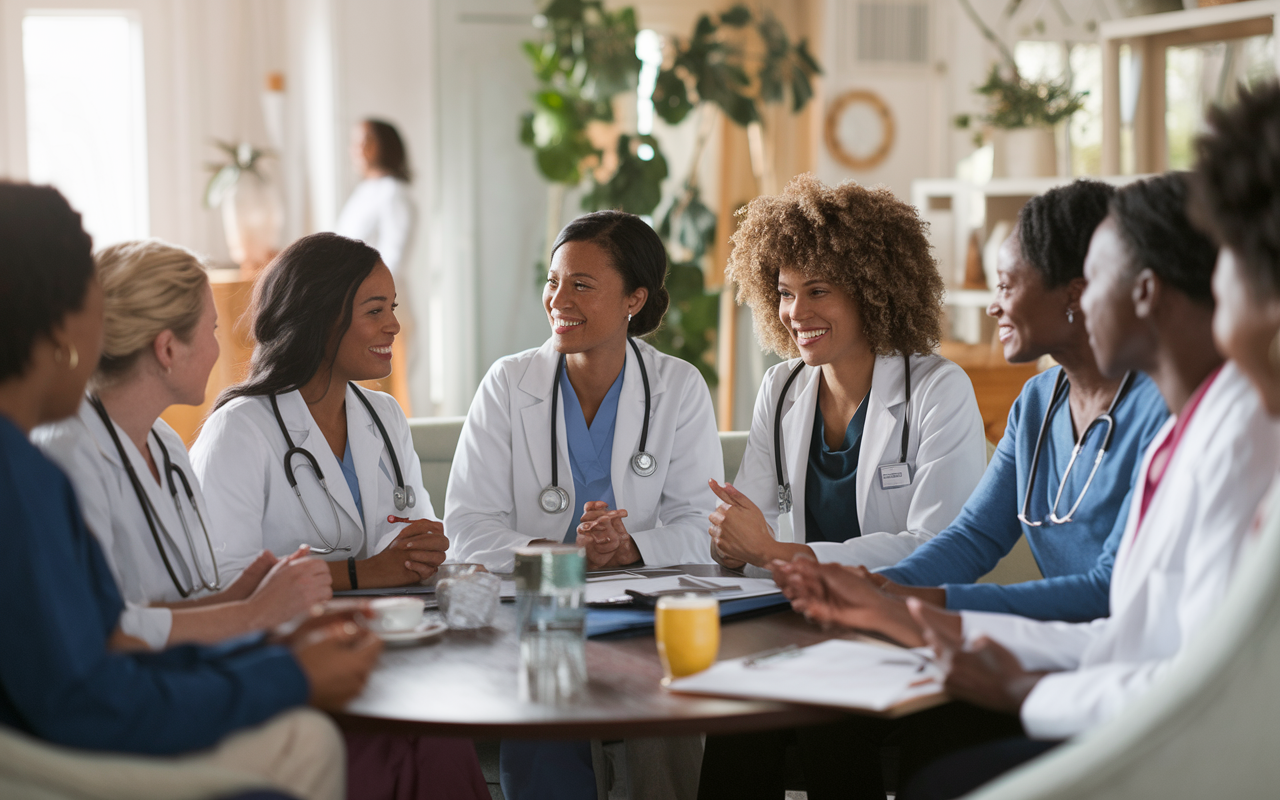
(893, 476)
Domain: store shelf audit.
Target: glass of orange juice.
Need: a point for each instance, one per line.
(687, 627)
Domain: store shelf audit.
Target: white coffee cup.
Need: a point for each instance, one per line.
(396, 614)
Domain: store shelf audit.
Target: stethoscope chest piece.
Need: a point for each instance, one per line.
(644, 464)
(553, 499)
(403, 497)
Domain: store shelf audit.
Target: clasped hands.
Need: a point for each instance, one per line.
(604, 537)
(983, 672)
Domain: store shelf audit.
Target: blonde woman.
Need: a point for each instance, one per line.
(130, 470)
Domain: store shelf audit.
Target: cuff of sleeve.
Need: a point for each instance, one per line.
(151, 625)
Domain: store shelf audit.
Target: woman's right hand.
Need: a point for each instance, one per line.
(247, 582)
(337, 656)
(412, 557)
(295, 584)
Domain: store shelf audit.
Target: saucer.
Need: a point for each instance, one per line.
(425, 631)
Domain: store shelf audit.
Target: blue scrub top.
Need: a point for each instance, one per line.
(60, 682)
(1076, 558)
(830, 487)
(590, 449)
(353, 483)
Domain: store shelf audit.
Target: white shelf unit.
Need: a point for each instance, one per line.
(955, 209)
(1149, 37)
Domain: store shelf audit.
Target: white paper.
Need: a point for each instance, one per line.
(608, 591)
(834, 673)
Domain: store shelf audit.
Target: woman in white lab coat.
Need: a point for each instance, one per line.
(634, 441)
(874, 461)
(134, 482)
(380, 211)
(648, 498)
(297, 454)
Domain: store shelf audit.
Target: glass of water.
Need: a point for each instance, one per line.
(552, 614)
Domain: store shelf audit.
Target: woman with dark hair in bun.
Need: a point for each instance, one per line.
(634, 431)
(635, 442)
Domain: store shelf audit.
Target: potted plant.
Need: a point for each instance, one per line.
(1021, 114)
(252, 211)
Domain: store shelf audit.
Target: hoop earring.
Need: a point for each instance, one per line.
(1071, 317)
(73, 357)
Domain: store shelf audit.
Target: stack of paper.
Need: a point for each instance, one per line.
(614, 590)
(836, 673)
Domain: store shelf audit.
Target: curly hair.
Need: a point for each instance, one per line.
(1236, 182)
(865, 241)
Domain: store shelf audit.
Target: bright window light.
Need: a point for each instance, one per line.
(86, 132)
(649, 51)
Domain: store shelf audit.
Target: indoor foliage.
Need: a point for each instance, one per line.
(733, 62)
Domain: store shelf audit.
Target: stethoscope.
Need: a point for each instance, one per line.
(554, 499)
(187, 587)
(403, 496)
(1060, 386)
(784, 486)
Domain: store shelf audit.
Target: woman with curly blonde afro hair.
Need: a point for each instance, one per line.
(872, 441)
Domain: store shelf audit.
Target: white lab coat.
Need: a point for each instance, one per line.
(82, 447)
(503, 462)
(380, 213)
(947, 453)
(239, 458)
(1170, 574)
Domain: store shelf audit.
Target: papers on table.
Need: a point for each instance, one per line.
(837, 673)
(507, 591)
(615, 590)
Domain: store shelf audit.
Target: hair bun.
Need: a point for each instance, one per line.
(651, 314)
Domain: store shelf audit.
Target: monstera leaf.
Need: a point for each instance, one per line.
(636, 186)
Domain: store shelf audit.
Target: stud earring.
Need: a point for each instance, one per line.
(73, 356)
(1071, 317)
(628, 318)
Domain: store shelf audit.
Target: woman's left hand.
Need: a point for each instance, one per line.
(604, 537)
(985, 674)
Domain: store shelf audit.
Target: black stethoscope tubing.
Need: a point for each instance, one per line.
(150, 514)
(403, 496)
(554, 499)
(1061, 386)
(784, 486)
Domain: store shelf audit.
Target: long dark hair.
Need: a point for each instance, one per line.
(392, 156)
(637, 254)
(302, 302)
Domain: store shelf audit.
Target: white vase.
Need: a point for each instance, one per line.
(252, 219)
(1025, 153)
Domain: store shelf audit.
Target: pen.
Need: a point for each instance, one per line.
(776, 654)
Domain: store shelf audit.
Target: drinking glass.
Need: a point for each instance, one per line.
(687, 628)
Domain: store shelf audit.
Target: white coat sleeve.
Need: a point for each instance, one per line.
(230, 461)
(480, 503)
(411, 469)
(949, 463)
(1038, 644)
(71, 447)
(687, 501)
(757, 476)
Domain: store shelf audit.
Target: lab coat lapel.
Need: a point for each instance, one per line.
(306, 433)
(366, 451)
(887, 392)
(797, 430)
(537, 383)
(626, 431)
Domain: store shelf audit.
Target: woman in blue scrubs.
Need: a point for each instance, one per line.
(65, 680)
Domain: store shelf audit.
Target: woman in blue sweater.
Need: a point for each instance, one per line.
(68, 678)
(1072, 518)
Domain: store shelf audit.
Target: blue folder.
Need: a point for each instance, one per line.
(622, 622)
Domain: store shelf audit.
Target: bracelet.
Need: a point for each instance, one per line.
(351, 572)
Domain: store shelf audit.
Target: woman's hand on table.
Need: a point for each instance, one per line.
(833, 594)
(247, 582)
(985, 674)
(337, 655)
(412, 557)
(604, 537)
(295, 584)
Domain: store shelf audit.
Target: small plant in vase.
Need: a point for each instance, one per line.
(1022, 113)
(252, 212)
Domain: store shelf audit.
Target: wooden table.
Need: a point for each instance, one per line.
(464, 684)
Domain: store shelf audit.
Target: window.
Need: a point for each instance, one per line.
(1082, 67)
(85, 115)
